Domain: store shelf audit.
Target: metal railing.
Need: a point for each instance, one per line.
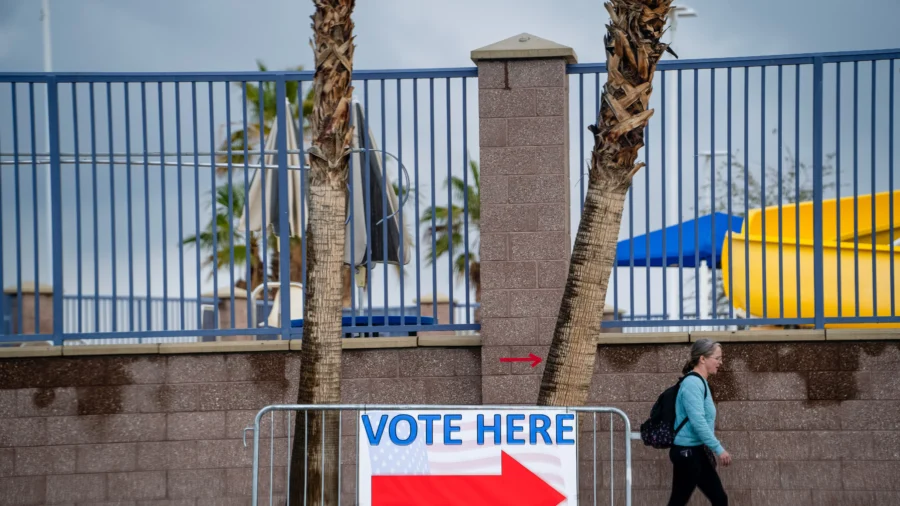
(133, 186)
(768, 192)
(81, 314)
(104, 177)
(656, 327)
(603, 467)
(87, 314)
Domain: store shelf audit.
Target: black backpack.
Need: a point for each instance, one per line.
(659, 430)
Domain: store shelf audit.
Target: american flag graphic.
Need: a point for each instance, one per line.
(469, 458)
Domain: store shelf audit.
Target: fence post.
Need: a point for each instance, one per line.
(817, 193)
(523, 103)
(56, 207)
(284, 239)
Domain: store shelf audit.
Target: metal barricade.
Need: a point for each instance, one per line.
(597, 479)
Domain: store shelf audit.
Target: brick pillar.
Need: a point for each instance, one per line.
(523, 98)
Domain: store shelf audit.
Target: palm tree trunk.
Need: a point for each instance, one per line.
(274, 262)
(346, 286)
(257, 273)
(633, 48)
(296, 256)
(314, 458)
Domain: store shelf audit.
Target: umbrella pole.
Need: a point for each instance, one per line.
(705, 291)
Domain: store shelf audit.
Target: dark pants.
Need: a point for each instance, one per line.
(692, 469)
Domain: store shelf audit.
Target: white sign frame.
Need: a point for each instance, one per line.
(396, 453)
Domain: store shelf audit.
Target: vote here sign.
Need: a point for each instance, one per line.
(467, 458)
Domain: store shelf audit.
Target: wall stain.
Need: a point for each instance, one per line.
(97, 381)
(842, 385)
(104, 397)
(740, 359)
(43, 398)
(268, 367)
(164, 396)
(99, 400)
(828, 370)
(64, 372)
(726, 387)
(623, 358)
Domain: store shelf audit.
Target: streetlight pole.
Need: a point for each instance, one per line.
(673, 212)
(707, 290)
(45, 22)
(48, 65)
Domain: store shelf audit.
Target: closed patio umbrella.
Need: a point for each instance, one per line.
(372, 204)
(255, 212)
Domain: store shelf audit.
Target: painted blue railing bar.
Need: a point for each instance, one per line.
(222, 77)
(56, 199)
(818, 196)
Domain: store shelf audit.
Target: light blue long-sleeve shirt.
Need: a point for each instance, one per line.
(701, 415)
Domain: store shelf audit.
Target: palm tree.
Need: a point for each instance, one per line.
(315, 470)
(633, 49)
(449, 231)
(215, 239)
(268, 114)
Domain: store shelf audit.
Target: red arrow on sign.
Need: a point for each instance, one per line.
(534, 359)
(515, 485)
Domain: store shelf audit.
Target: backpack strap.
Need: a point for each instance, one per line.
(683, 422)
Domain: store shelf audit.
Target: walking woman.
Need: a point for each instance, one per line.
(696, 449)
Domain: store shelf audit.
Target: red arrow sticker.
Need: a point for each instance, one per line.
(534, 359)
(515, 485)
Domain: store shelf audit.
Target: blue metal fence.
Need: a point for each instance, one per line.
(152, 229)
(114, 172)
(751, 139)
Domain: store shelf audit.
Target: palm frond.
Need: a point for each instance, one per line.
(439, 213)
(459, 190)
(476, 173)
(447, 232)
(442, 247)
(236, 197)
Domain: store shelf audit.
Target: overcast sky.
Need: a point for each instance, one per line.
(179, 35)
(221, 35)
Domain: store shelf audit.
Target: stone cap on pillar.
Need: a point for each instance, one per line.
(524, 46)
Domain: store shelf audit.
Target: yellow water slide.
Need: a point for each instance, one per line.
(784, 254)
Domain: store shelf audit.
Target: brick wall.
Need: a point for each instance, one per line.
(161, 430)
(807, 423)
